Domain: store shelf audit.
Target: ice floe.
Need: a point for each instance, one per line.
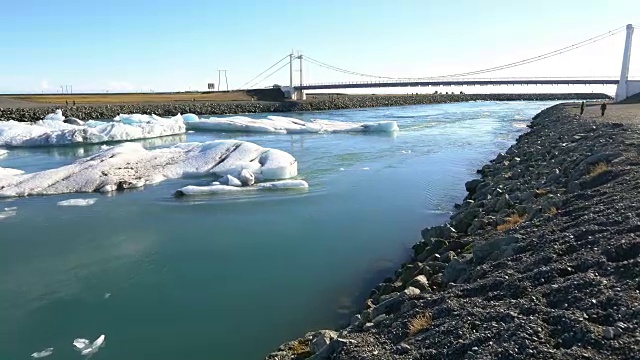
(283, 125)
(53, 130)
(77, 202)
(3, 152)
(130, 165)
(86, 348)
(7, 213)
(224, 189)
(43, 353)
(4, 172)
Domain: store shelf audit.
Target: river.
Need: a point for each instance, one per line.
(232, 277)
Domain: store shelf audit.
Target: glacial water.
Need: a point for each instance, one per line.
(232, 277)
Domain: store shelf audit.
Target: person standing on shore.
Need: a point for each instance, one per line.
(603, 108)
(582, 108)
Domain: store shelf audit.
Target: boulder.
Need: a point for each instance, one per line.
(457, 268)
(419, 282)
(463, 221)
(441, 232)
(472, 185)
(435, 248)
(482, 250)
(321, 339)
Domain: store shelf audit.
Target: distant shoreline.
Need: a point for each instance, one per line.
(24, 111)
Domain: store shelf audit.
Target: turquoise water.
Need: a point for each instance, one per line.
(232, 277)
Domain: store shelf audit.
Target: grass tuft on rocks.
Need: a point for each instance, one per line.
(419, 323)
(598, 169)
(552, 211)
(510, 222)
(301, 349)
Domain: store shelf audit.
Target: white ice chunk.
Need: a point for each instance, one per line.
(5, 172)
(43, 353)
(94, 346)
(80, 343)
(284, 184)
(51, 132)
(190, 117)
(3, 152)
(222, 189)
(286, 125)
(130, 165)
(230, 181)
(7, 213)
(77, 202)
(57, 116)
(247, 178)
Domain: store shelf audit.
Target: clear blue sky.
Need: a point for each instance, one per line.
(177, 45)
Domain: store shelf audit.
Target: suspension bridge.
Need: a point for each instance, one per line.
(625, 86)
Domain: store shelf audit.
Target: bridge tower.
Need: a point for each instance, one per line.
(625, 87)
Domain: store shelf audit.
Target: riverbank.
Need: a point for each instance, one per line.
(541, 260)
(10, 110)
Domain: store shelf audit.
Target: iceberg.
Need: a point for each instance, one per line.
(85, 348)
(56, 116)
(130, 165)
(284, 125)
(43, 353)
(77, 202)
(224, 189)
(52, 131)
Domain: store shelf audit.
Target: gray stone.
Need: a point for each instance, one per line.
(476, 225)
(455, 270)
(402, 349)
(388, 296)
(608, 333)
(602, 157)
(321, 339)
(441, 232)
(447, 257)
(411, 291)
(356, 320)
(408, 306)
(463, 221)
(472, 185)
(419, 282)
(435, 247)
(380, 318)
(368, 326)
(331, 349)
(482, 250)
(383, 307)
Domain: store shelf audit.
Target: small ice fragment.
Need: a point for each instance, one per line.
(341, 169)
(247, 178)
(107, 295)
(6, 214)
(107, 188)
(11, 208)
(365, 168)
(56, 116)
(43, 353)
(406, 151)
(80, 343)
(3, 152)
(230, 180)
(77, 202)
(94, 347)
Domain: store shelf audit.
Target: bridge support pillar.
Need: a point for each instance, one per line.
(623, 89)
(299, 95)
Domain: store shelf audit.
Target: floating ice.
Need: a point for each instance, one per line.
(77, 202)
(7, 213)
(43, 353)
(50, 132)
(284, 125)
(230, 181)
(80, 343)
(57, 116)
(3, 152)
(4, 172)
(129, 165)
(85, 348)
(223, 189)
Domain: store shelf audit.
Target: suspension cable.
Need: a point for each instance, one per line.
(266, 77)
(269, 68)
(496, 68)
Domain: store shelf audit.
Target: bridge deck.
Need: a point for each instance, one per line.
(457, 83)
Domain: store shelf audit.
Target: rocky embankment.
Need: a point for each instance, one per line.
(333, 102)
(540, 261)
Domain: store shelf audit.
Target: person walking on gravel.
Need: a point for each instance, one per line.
(582, 105)
(603, 108)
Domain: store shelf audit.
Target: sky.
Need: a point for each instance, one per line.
(160, 45)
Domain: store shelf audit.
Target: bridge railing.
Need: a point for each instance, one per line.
(448, 79)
